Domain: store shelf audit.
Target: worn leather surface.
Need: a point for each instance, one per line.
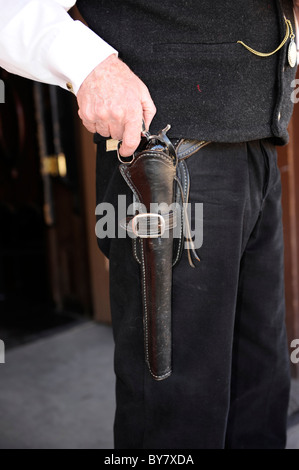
(182, 174)
(151, 178)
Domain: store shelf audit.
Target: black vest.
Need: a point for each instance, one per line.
(203, 83)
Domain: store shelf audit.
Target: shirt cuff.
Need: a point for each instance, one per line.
(75, 53)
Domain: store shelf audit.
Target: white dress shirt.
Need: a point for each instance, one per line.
(40, 41)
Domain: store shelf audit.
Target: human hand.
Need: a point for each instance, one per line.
(113, 101)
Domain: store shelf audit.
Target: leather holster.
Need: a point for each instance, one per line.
(158, 179)
(151, 177)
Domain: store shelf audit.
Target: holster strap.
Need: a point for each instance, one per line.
(150, 225)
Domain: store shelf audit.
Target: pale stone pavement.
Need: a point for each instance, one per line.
(58, 392)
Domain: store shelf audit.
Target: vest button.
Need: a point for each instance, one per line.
(279, 117)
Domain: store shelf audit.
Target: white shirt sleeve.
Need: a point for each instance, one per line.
(39, 40)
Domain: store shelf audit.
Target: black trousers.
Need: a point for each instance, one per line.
(230, 381)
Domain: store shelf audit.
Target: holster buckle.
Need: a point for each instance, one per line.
(148, 225)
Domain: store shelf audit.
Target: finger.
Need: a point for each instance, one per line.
(149, 109)
(91, 127)
(102, 129)
(116, 130)
(131, 137)
(87, 110)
